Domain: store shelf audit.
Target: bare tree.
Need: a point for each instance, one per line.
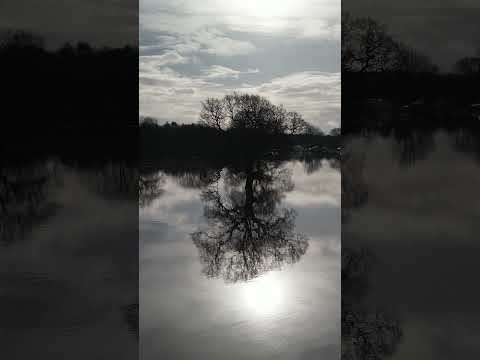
(251, 112)
(295, 123)
(368, 47)
(213, 114)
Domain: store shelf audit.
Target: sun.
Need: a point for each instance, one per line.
(264, 296)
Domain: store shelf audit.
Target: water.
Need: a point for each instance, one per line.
(240, 261)
(68, 261)
(410, 247)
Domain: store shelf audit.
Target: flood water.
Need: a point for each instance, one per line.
(410, 247)
(241, 261)
(68, 261)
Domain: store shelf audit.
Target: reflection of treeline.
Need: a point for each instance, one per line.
(195, 140)
(76, 98)
(386, 83)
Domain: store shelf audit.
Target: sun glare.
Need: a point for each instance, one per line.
(264, 296)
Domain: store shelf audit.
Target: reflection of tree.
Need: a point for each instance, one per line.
(149, 188)
(312, 165)
(354, 189)
(23, 201)
(413, 146)
(367, 332)
(131, 317)
(198, 179)
(467, 141)
(115, 179)
(247, 233)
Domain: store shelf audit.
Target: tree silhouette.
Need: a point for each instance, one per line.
(368, 47)
(252, 113)
(248, 234)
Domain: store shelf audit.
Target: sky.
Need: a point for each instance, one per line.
(445, 30)
(285, 50)
(98, 22)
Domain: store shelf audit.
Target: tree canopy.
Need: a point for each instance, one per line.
(252, 112)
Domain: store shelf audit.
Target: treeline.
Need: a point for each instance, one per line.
(200, 141)
(388, 84)
(76, 99)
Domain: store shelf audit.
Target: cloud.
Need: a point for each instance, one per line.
(316, 95)
(300, 18)
(168, 58)
(210, 41)
(219, 71)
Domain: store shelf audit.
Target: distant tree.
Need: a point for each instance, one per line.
(148, 121)
(410, 60)
(20, 40)
(295, 123)
(66, 50)
(213, 113)
(336, 132)
(84, 49)
(368, 47)
(468, 66)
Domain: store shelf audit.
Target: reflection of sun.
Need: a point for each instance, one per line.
(264, 296)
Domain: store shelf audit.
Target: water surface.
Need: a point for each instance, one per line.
(240, 262)
(68, 261)
(410, 246)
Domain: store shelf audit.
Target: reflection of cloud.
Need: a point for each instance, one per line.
(319, 188)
